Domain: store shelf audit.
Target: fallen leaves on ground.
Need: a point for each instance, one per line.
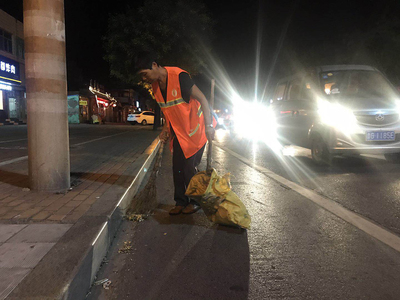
(126, 248)
(137, 217)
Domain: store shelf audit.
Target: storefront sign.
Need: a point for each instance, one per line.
(82, 103)
(102, 101)
(9, 70)
(5, 87)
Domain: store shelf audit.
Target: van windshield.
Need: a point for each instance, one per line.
(356, 84)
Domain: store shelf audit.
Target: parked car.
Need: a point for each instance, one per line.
(339, 110)
(142, 117)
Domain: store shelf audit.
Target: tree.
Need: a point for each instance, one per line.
(178, 31)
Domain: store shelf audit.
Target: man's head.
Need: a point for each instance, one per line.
(147, 67)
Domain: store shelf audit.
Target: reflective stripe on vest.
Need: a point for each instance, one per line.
(195, 130)
(171, 103)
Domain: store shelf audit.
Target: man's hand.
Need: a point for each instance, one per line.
(210, 133)
(164, 136)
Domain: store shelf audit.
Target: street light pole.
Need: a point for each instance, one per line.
(46, 91)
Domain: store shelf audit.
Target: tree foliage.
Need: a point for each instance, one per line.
(177, 31)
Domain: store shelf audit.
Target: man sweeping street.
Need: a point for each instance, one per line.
(188, 123)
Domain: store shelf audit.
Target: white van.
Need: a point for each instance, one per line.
(338, 110)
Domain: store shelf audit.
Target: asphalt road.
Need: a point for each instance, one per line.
(14, 141)
(295, 248)
(367, 185)
(90, 146)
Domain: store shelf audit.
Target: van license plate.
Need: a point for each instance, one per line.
(380, 136)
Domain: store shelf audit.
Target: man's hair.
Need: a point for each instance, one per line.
(144, 60)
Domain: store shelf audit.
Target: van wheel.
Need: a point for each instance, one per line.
(393, 157)
(320, 153)
(144, 122)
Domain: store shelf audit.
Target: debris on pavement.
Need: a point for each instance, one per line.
(137, 217)
(126, 248)
(98, 282)
(106, 285)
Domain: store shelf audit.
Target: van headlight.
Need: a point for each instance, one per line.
(337, 116)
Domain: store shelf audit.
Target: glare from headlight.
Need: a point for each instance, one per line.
(257, 122)
(398, 105)
(337, 116)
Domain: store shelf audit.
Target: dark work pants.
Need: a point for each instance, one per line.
(183, 170)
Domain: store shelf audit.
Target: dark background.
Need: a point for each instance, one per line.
(242, 29)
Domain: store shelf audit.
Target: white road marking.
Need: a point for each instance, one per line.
(7, 162)
(10, 141)
(358, 221)
(98, 139)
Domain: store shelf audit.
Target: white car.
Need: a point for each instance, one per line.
(142, 117)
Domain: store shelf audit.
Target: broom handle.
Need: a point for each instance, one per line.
(209, 150)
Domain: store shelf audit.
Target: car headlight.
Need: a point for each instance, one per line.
(337, 116)
(398, 106)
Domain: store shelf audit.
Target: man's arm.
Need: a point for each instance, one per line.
(199, 96)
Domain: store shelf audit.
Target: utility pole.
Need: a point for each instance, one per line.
(46, 91)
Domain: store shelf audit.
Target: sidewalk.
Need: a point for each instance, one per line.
(51, 245)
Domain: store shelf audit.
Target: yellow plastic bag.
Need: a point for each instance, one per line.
(218, 202)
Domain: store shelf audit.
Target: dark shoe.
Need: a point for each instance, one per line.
(191, 208)
(176, 210)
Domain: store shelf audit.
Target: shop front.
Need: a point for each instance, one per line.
(103, 107)
(12, 93)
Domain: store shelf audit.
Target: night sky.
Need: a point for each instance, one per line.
(238, 24)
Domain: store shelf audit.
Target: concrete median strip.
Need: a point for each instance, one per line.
(70, 267)
(358, 221)
(105, 235)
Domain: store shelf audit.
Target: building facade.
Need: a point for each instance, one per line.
(12, 71)
(128, 102)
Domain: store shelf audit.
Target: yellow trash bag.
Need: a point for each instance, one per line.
(218, 202)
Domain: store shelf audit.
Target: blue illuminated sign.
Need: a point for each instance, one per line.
(9, 70)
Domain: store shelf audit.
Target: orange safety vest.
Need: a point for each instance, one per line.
(186, 119)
